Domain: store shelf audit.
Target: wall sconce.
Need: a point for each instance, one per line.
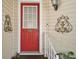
(55, 4)
(63, 25)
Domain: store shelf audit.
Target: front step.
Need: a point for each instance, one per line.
(31, 57)
(45, 58)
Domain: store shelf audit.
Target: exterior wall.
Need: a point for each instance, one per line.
(61, 42)
(9, 38)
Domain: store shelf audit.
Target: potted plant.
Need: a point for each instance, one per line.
(69, 55)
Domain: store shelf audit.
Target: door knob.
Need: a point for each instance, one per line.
(30, 30)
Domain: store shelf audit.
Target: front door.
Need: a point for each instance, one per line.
(29, 27)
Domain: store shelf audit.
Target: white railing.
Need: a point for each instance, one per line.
(49, 50)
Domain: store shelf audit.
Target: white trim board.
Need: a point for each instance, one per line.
(30, 53)
(19, 27)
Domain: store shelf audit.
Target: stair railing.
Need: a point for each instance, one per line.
(49, 50)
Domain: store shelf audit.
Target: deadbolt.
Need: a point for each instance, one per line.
(30, 30)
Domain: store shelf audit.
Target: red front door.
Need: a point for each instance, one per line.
(29, 27)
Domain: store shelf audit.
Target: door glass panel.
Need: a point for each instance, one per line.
(30, 17)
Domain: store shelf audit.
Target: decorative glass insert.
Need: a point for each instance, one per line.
(30, 17)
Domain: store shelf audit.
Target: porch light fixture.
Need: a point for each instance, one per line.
(55, 4)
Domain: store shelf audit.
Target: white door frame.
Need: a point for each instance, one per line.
(40, 38)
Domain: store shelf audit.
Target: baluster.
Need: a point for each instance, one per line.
(51, 53)
(45, 45)
(49, 50)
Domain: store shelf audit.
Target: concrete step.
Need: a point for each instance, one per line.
(31, 57)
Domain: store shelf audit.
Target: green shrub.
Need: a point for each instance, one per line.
(69, 55)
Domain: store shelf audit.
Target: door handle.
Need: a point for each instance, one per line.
(30, 30)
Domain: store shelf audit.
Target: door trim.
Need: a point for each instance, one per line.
(40, 33)
(31, 53)
(30, 30)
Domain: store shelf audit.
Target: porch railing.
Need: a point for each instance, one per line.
(49, 50)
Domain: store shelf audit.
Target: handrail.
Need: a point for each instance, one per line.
(49, 50)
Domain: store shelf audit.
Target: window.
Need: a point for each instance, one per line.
(30, 17)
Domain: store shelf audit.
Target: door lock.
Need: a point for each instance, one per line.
(30, 30)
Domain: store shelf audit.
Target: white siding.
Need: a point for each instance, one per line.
(65, 41)
(9, 38)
